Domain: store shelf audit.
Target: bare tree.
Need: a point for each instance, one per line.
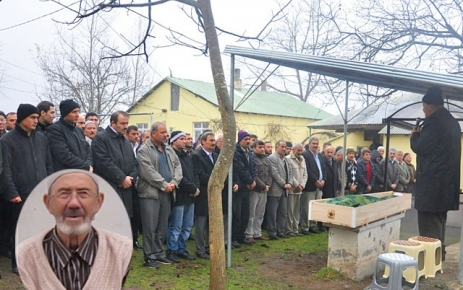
(75, 68)
(307, 28)
(413, 33)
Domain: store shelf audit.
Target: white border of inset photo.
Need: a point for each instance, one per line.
(35, 218)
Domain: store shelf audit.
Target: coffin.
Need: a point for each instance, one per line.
(354, 217)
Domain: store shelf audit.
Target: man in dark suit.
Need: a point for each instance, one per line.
(114, 159)
(203, 161)
(314, 186)
(332, 186)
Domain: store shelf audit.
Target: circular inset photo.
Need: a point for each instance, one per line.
(73, 228)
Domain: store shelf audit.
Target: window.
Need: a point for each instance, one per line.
(174, 97)
(199, 128)
(142, 127)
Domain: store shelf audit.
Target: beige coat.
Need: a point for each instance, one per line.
(108, 271)
(299, 172)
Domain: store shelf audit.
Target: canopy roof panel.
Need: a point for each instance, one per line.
(403, 79)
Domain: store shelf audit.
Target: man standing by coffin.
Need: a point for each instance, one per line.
(437, 145)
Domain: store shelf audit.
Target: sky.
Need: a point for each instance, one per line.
(22, 30)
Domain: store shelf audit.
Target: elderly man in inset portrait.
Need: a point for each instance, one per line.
(74, 254)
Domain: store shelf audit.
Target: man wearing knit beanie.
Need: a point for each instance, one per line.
(68, 146)
(69, 106)
(30, 165)
(437, 144)
(243, 162)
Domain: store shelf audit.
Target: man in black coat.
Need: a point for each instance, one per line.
(379, 176)
(68, 146)
(183, 207)
(438, 148)
(332, 186)
(204, 160)
(244, 164)
(114, 159)
(26, 162)
(315, 182)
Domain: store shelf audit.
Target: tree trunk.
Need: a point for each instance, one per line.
(218, 275)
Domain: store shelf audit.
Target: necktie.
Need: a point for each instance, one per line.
(210, 157)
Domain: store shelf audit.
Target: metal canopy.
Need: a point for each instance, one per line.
(403, 79)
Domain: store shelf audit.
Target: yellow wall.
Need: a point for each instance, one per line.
(195, 109)
(354, 139)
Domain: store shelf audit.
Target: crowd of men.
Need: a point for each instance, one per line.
(162, 177)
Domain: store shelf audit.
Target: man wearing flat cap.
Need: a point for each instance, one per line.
(437, 144)
(26, 162)
(68, 146)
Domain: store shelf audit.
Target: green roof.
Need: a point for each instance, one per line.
(260, 102)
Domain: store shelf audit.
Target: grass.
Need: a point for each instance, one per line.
(248, 264)
(327, 273)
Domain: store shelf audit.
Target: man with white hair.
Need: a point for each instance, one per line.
(381, 151)
(90, 131)
(73, 254)
(299, 169)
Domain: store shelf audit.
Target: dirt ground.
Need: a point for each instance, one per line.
(298, 273)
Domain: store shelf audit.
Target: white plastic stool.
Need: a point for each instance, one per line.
(397, 264)
(433, 254)
(413, 249)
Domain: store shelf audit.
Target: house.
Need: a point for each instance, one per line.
(191, 106)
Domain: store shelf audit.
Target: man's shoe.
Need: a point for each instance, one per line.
(173, 257)
(314, 230)
(151, 263)
(305, 233)
(137, 246)
(283, 236)
(249, 241)
(164, 260)
(322, 229)
(203, 256)
(273, 238)
(262, 238)
(291, 234)
(235, 244)
(185, 255)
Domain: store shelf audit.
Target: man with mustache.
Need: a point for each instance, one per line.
(74, 255)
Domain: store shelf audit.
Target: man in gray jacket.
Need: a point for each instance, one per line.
(277, 196)
(258, 196)
(392, 178)
(160, 173)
